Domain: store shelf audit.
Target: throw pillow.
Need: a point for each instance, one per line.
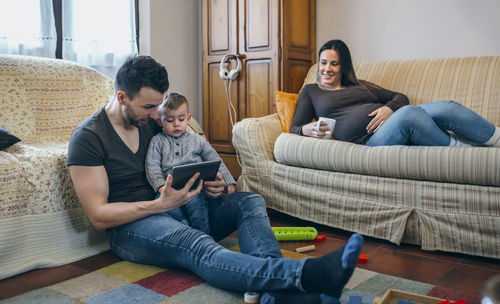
(285, 105)
(7, 139)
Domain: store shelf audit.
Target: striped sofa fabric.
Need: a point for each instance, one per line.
(41, 221)
(442, 198)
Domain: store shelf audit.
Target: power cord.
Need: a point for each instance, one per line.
(227, 87)
(231, 111)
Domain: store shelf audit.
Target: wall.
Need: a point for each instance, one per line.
(405, 29)
(170, 32)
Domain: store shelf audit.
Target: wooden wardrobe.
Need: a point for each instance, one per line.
(275, 41)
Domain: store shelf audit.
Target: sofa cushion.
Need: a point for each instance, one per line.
(474, 165)
(7, 139)
(43, 99)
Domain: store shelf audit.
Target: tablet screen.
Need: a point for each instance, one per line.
(181, 174)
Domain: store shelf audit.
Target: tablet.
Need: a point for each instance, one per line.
(181, 174)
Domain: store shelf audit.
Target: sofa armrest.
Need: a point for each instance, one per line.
(253, 139)
(473, 165)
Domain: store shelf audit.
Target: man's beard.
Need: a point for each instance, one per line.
(131, 118)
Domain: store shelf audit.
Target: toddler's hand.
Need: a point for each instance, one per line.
(230, 189)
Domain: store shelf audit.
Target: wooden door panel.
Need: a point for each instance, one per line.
(258, 25)
(232, 164)
(298, 23)
(259, 44)
(297, 72)
(259, 97)
(299, 42)
(219, 26)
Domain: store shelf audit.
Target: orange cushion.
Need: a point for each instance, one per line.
(285, 105)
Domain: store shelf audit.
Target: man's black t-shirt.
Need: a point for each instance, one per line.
(95, 143)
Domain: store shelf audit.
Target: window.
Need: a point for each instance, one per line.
(27, 28)
(100, 34)
(97, 33)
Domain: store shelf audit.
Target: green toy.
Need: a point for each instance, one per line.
(295, 233)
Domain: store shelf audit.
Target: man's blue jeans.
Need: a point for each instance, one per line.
(165, 242)
(427, 125)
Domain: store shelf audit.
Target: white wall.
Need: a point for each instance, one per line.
(170, 32)
(411, 29)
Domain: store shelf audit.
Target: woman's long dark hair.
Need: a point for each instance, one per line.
(348, 75)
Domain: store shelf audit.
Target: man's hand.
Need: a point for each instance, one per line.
(170, 198)
(381, 115)
(215, 188)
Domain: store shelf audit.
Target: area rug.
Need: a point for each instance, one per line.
(129, 283)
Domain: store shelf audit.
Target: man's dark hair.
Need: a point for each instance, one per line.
(141, 71)
(348, 75)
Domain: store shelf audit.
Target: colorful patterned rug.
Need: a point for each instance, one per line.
(129, 283)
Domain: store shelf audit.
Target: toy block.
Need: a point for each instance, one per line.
(462, 301)
(363, 258)
(305, 249)
(295, 233)
(320, 238)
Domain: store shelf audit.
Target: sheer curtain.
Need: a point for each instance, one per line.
(97, 33)
(27, 27)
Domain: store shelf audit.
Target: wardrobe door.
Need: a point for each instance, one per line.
(259, 45)
(219, 35)
(299, 42)
(275, 41)
(248, 29)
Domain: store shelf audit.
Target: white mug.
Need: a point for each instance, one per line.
(331, 125)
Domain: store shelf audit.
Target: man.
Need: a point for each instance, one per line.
(106, 161)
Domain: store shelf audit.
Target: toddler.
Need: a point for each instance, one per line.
(176, 146)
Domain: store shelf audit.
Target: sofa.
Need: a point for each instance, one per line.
(41, 221)
(440, 198)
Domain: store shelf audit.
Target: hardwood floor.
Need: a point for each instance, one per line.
(455, 271)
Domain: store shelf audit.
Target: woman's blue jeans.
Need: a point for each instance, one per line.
(165, 242)
(427, 125)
